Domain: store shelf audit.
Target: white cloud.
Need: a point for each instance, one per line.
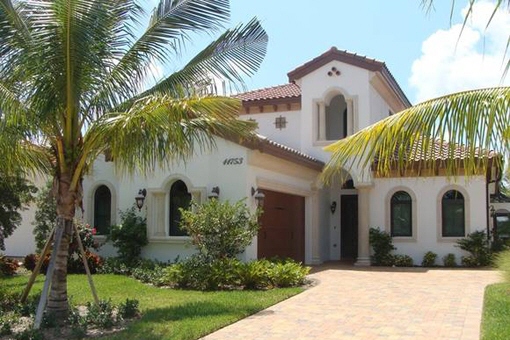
(450, 64)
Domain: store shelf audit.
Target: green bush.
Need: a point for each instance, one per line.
(255, 274)
(288, 274)
(449, 260)
(130, 236)
(129, 309)
(382, 244)
(469, 261)
(503, 264)
(400, 260)
(429, 259)
(101, 315)
(220, 229)
(477, 244)
(201, 274)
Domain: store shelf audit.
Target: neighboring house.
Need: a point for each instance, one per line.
(326, 99)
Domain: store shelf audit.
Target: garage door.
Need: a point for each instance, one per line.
(282, 226)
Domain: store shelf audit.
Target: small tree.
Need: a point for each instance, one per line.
(382, 244)
(45, 216)
(17, 193)
(130, 236)
(220, 230)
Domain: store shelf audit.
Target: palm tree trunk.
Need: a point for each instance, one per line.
(58, 303)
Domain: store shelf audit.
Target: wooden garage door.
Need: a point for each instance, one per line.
(282, 226)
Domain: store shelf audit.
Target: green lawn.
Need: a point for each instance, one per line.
(167, 313)
(496, 312)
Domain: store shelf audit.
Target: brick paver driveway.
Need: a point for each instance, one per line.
(372, 303)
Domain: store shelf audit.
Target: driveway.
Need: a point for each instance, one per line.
(374, 303)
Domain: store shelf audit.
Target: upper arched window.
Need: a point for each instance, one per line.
(401, 214)
(453, 214)
(179, 198)
(102, 210)
(336, 118)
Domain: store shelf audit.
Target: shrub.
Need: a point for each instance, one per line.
(201, 274)
(75, 263)
(288, 274)
(130, 236)
(255, 274)
(114, 265)
(8, 267)
(403, 260)
(101, 315)
(220, 229)
(429, 259)
(477, 245)
(449, 260)
(503, 264)
(468, 261)
(382, 244)
(30, 262)
(129, 309)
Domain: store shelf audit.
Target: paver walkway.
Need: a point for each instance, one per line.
(371, 303)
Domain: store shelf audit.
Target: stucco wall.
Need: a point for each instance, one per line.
(267, 128)
(427, 193)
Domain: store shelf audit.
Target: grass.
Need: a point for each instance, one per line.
(496, 312)
(167, 313)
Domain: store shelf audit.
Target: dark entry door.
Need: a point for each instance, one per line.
(282, 226)
(349, 226)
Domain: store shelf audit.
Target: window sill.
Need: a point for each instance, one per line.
(170, 239)
(324, 142)
(404, 239)
(449, 239)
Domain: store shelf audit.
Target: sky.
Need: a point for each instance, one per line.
(421, 48)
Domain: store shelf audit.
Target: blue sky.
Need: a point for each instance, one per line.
(421, 49)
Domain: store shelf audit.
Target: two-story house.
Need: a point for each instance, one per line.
(326, 99)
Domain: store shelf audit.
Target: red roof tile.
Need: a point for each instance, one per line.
(275, 92)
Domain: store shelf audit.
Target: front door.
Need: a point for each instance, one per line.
(349, 226)
(282, 226)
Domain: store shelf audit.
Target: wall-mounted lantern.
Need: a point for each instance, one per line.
(215, 193)
(140, 198)
(332, 207)
(259, 197)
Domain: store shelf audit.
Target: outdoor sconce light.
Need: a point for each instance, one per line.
(333, 207)
(140, 198)
(492, 211)
(259, 197)
(215, 193)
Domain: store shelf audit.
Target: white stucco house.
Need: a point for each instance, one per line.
(326, 99)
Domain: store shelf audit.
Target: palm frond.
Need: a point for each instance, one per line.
(159, 130)
(170, 23)
(476, 121)
(236, 53)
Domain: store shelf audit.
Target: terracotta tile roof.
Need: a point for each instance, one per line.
(275, 92)
(353, 59)
(270, 147)
(440, 151)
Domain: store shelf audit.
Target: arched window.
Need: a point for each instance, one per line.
(401, 214)
(179, 198)
(336, 118)
(453, 214)
(102, 210)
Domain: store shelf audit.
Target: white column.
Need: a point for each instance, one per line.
(363, 226)
(322, 121)
(316, 256)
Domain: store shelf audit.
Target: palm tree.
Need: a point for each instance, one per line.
(73, 84)
(478, 121)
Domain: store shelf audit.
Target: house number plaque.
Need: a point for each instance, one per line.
(233, 161)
